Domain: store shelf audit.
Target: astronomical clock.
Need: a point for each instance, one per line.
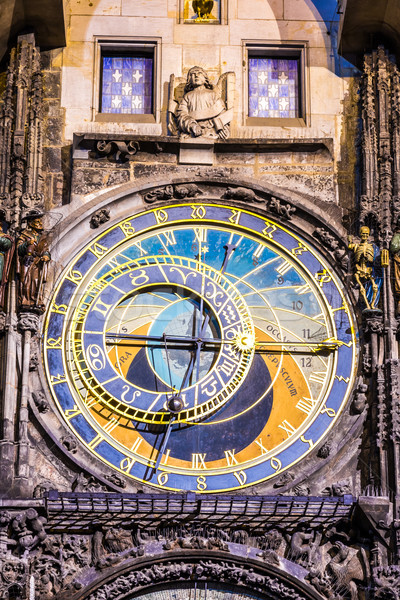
(199, 347)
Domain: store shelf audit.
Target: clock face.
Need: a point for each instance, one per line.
(199, 347)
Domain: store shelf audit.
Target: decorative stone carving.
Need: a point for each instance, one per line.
(83, 483)
(387, 582)
(187, 190)
(163, 193)
(283, 209)
(117, 150)
(28, 322)
(216, 570)
(349, 568)
(373, 322)
(112, 545)
(324, 451)
(34, 359)
(39, 399)
(341, 488)
(241, 193)
(202, 539)
(69, 442)
(240, 536)
(271, 543)
(345, 574)
(3, 321)
(116, 480)
(33, 258)
(285, 479)
(200, 110)
(364, 254)
(301, 490)
(42, 487)
(28, 528)
(360, 398)
(336, 248)
(304, 547)
(99, 218)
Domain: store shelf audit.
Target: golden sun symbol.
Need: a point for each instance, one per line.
(244, 342)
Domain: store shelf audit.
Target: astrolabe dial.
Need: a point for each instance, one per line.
(199, 347)
(170, 329)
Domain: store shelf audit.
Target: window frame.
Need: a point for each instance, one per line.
(299, 50)
(145, 45)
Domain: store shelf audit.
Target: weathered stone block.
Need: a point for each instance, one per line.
(52, 84)
(53, 132)
(52, 159)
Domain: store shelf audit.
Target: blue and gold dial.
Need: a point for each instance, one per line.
(199, 347)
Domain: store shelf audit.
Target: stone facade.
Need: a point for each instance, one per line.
(71, 528)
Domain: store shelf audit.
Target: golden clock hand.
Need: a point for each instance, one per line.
(175, 405)
(324, 344)
(130, 339)
(169, 368)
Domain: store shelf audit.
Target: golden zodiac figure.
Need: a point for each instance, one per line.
(364, 258)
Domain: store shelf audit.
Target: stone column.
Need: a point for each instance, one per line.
(8, 408)
(28, 325)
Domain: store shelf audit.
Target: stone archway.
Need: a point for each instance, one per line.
(191, 575)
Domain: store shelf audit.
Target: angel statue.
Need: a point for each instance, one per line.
(202, 110)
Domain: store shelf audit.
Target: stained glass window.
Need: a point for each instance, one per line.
(127, 84)
(273, 87)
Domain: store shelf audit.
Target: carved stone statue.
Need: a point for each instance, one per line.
(33, 258)
(6, 253)
(348, 568)
(202, 110)
(364, 254)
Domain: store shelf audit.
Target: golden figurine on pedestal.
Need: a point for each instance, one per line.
(395, 251)
(364, 254)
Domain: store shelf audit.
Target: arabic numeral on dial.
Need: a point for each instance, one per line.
(306, 334)
(306, 362)
(96, 358)
(162, 478)
(280, 280)
(201, 483)
(297, 305)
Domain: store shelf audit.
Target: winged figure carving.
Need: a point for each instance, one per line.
(197, 108)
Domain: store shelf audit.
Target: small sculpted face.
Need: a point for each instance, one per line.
(364, 234)
(37, 224)
(197, 77)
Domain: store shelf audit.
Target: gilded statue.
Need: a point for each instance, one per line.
(395, 251)
(33, 257)
(6, 254)
(203, 8)
(202, 110)
(364, 254)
